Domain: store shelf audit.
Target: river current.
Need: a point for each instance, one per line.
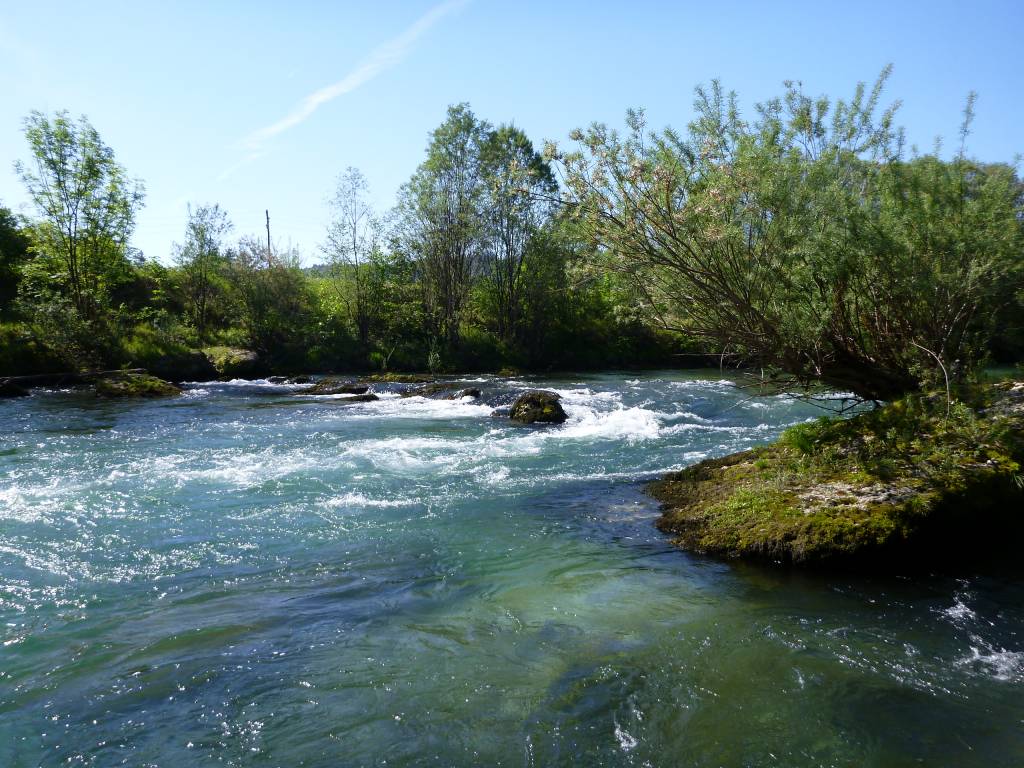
(243, 576)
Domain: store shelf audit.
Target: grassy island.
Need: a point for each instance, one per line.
(916, 479)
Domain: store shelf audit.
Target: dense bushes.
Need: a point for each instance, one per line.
(803, 242)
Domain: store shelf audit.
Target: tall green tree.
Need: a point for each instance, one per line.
(439, 219)
(87, 208)
(519, 190)
(14, 245)
(202, 262)
(803, 241)
(352, 250)
(275, 298)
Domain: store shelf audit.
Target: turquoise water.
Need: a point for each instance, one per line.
(242, 576)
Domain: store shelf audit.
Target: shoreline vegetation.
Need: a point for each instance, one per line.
(920, 480)
(805, 242)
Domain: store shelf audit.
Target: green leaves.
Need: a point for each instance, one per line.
(86, 204)
(803, 241)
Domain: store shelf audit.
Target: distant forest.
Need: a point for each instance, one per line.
(805, 240)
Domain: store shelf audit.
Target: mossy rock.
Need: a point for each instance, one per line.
(904, 484)
(538, 407)
(398, 378)
(508, 372)
(428, 390)
(235, 363)
(134, 385)
(441, 390)
(334, 386)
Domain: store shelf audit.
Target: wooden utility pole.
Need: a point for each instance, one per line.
(268, 233)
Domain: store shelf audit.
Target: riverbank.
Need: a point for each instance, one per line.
(915, 480)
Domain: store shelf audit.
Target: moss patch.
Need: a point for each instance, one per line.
(234, 363)
(134, 385)
(903, 480)
(399, 378)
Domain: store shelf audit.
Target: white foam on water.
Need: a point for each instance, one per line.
(27, 504)
(714, 428)
(627, 742)
(354, 499)
(677, 415)
(1000, 664)
(392, 406)
(716, 384)
(959, 613)
(630, 424)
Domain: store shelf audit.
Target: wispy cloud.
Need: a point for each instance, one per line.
(382, 58)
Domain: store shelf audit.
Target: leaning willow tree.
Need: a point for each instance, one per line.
(803, 241)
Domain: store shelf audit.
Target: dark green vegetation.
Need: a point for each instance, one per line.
(806, 243)
(903, 481)
(476, 270)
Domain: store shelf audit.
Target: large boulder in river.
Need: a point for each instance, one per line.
(235, 363)
(441, 390)
(538, 406)
(334, 386)
(428, 390)
(134, 385)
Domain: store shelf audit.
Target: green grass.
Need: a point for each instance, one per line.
(902, 477)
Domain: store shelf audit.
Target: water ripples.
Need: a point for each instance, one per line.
(247, 575)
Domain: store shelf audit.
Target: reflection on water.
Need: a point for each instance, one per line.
(204, 582)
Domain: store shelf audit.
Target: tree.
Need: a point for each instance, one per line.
(353, 242)
(14, 251)
(439, 217)
(87, 207)
(202, 262)
(518, 192)
(275, 298)
(803, 241)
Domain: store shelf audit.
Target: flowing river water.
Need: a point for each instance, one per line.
(242, 576)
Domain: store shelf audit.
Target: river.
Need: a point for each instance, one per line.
(243, 576)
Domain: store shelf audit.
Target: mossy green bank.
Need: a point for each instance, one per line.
(916, 480)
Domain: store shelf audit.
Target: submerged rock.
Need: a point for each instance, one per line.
(442, 388)
(538, 407)
(299, 380)
(369, 397)
(427, 390)
(134, 385)
(334, 386)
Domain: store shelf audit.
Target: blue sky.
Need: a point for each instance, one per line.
(259, 105)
